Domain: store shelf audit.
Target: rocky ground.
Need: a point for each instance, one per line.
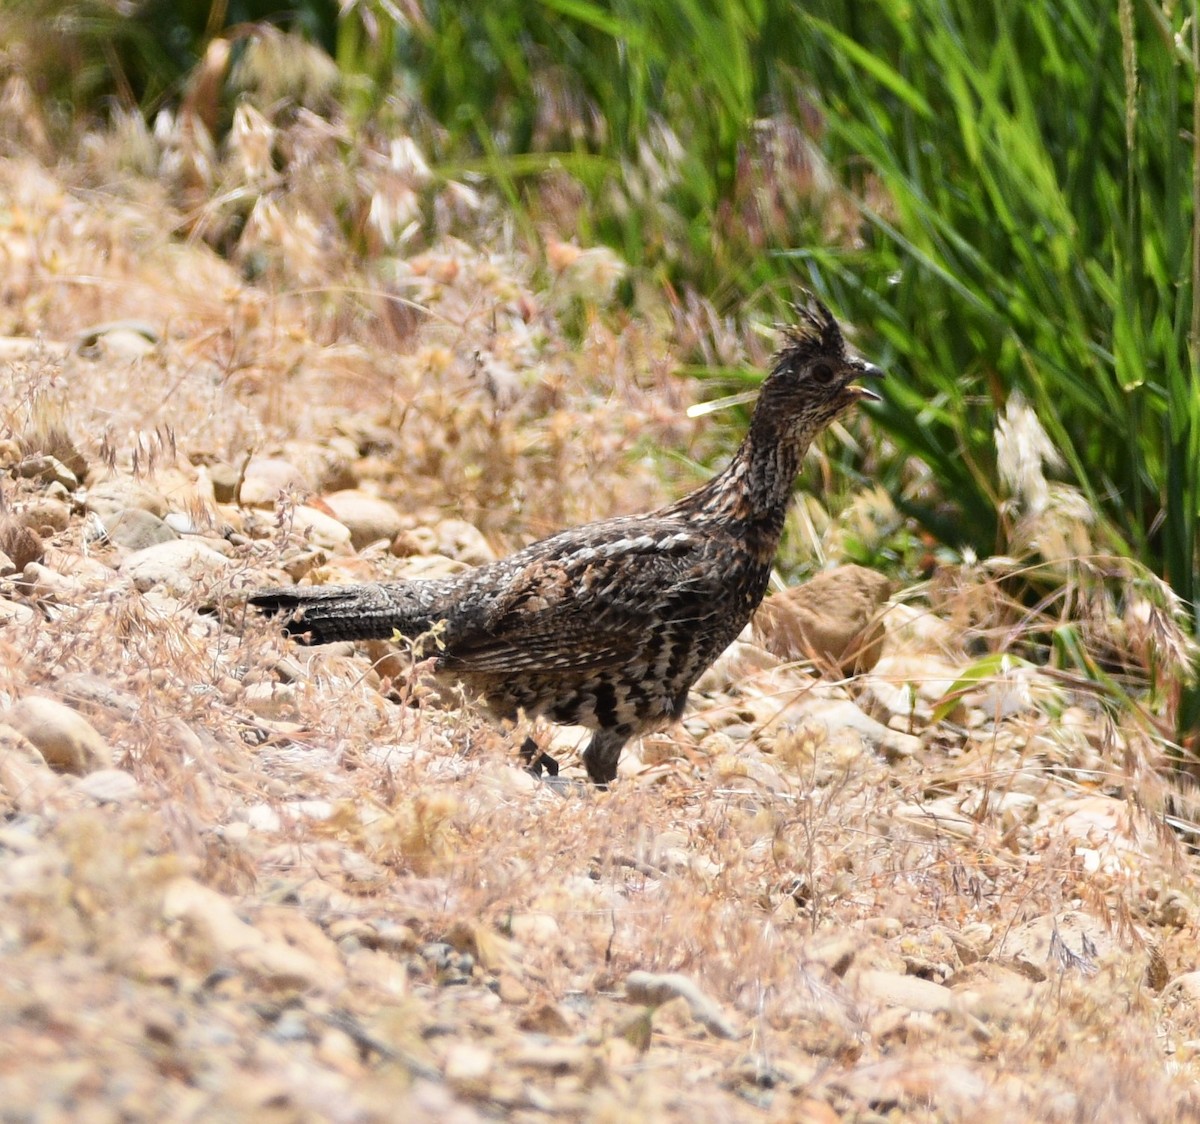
(886, 868)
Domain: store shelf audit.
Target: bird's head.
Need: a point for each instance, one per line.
(813, 379)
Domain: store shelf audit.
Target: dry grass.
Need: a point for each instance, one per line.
(303, 887)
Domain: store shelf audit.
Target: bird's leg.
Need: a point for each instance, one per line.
(602, 754)
(536, 760)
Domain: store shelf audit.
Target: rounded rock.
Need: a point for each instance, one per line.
(21, 544)
(135, 528)
(177, 566)
(268, 478)
(368, 518)
(120, 493)
(67, 740)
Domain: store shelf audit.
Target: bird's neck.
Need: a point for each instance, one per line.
(755, 488)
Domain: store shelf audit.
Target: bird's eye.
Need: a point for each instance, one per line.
(823, 373)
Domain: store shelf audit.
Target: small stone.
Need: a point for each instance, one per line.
(511, 990)
(995, 994)
(109, 786)
(119, 493)
(67, 740)
(83, 689)
(206, 923)
(836, 616)
(376, 970)
(271, 700)
(44, 584)
(177, 566)
(534, 928)
(49, 468)
(224, 478)
(22, 544)
(1072, 941)
(135, 529)
(836, 951)
(183, 524)
(654, 989)
(320, 529)
(839, 715)
(548, 1018)
(1181, 1005)
(930, 953)
(269, 478)
(13, 612)
(116, 342)
(368, 518)
(893, 989)
(340, 1053)
(44, 515)
(24, 774)
(469, 1068)
(464, 542)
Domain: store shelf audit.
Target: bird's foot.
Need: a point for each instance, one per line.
(542, 766)
(537, 763)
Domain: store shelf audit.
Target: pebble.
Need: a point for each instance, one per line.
(44, 584)
(271, 700)
(836, 615)
(48, 468)
(44, 515)
(135, 528)
(451, 538)
(92, 690)
(268, 478)
(377, 970)
(463, 541)
(13, 612)
(21, 544)
(469, 1068)
(535, 928)
(995, 994)
(1072, 941)
(24, 775)
(177, 566)
(368, 518)
(121, 492)
(224, 479)
(126, 342)
(183, 524)
(842, 714)
(654, 989)
(320, 529)
(1181, 1005)
(207, 922)
(894, 989)
(67, 740)
(109, 786)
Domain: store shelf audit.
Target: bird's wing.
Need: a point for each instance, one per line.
(582, 602)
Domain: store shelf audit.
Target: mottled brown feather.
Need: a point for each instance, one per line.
(609, 624)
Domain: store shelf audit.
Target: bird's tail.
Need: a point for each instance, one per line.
(324, 614)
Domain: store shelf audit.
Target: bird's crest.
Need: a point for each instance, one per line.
(815, 332)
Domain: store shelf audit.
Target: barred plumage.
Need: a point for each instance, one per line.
(608, 625)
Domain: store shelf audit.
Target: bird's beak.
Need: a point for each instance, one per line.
(865, 371)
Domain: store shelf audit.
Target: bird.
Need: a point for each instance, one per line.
(609, 624)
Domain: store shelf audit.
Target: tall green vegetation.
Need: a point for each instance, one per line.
(1035, 232)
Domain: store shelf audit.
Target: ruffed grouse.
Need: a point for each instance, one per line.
(608, 625)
